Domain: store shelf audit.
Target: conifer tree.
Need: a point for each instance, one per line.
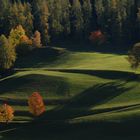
(55, 19)
(41, 14)
(4, 16)
(20, 14)
(87, 16)
(66, 17)
(77, 19)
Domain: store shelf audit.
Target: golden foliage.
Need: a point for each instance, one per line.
(37, 39)
(6, 113)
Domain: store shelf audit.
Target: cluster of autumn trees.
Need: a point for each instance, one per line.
(17, 43)
(36, 108)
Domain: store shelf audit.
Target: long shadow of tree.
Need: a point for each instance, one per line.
(37, 58)
(107, 74)
(35, 82)
(80, 105)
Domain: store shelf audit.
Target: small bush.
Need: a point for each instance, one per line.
(36, 104)
(6, 113)
(97, 37)
(134, 56)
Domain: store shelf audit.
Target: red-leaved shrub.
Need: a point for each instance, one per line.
(36, 104)
(97, 37)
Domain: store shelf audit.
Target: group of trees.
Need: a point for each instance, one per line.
(54, 19)
(36, 108)
(119, 20)
(16, 44)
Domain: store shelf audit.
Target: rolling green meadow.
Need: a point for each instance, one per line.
(69, 69)
(87, 95)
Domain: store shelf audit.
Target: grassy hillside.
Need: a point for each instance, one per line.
(78, 87)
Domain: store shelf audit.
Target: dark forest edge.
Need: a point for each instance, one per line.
(25, 25)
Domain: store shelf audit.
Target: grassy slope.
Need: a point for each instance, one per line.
(97, 87)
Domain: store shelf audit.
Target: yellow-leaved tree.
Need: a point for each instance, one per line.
(6, 113)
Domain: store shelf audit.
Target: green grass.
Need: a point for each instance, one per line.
(78, 87)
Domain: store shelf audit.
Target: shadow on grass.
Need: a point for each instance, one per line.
(81, 104)
(107, 74)
(35, 82)
(86, 46)
(97, 130)
(37, 58)
(52, 126)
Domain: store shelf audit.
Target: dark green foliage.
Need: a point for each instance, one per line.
(134, 56)
(12, 15)
(58, 19)
(87, 17)
(41, 14)
(55, 18)
(77, 22)
(23, 49)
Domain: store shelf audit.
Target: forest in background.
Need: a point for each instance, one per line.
(119, 20)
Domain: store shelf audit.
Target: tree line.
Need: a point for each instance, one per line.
(26, 24)
(119, 20)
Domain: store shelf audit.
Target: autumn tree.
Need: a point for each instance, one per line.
(21, 42)
(20, 14)
(37, 39)
(36, 104)
(97, 38)
(7, 53)
(16, 34)
(6, 113)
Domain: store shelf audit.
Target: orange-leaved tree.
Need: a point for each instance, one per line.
(6, 113)
(37, 40)
(97, 37)
(36, 104)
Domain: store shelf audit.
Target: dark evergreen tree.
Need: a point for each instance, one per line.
(77, 22)
(41, 14)
(66, 17)
(55, 19)
(87, 16)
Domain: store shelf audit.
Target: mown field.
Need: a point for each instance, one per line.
(88, 95)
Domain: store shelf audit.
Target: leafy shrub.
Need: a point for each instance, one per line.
(36, 104)
(134, 56)
(6, 113)
(97, 37)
